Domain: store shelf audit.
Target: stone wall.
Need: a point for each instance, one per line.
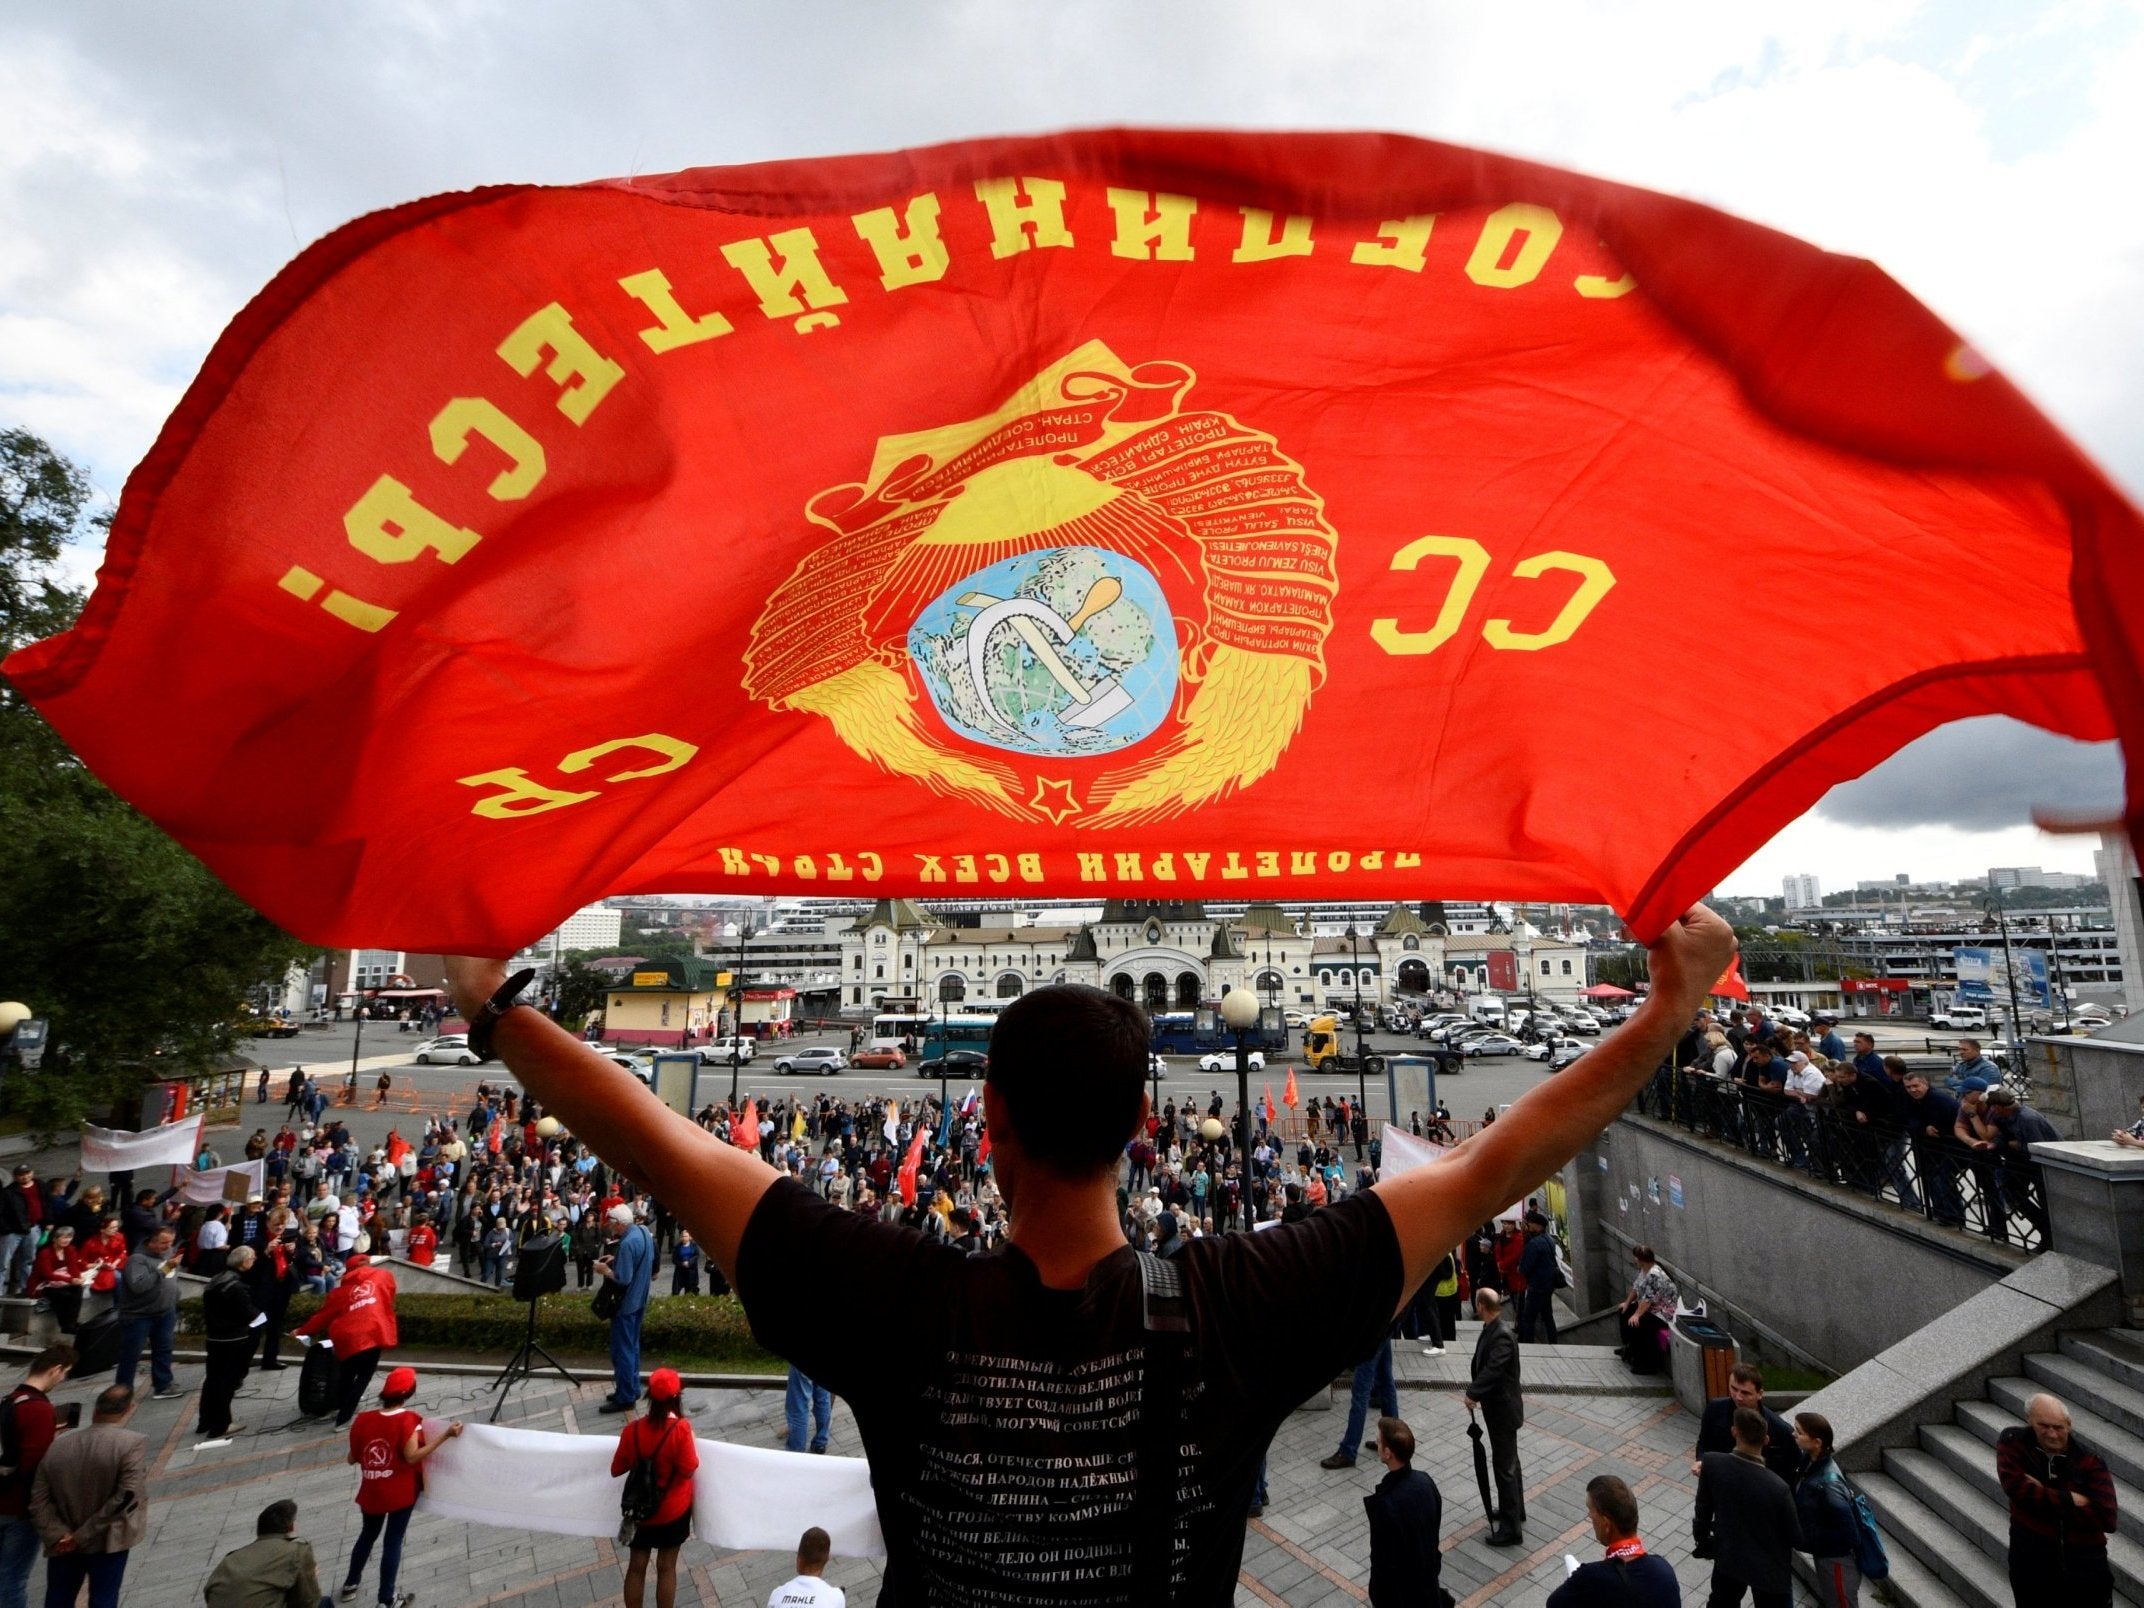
(1811, 1269)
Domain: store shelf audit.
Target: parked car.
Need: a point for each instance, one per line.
(1225, 1061)
(1955, 1015)
(453, 1050)
(1787, 1014)
(1558, 1053)
(1581, 1022)
(1493, 1044)
(640, 1066)
(886, 1060)
(716, 1052)
(1295, 1018)
(2091, 1016)
(954, 1064)
(1156, 1067)
(812, 1058)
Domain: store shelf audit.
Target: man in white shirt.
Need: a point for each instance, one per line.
(346, 1226)
(809, 1589)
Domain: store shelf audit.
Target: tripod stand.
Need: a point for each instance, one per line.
(523, 1365)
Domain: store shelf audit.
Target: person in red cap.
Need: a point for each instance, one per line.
(387, 1444)
(359, 1317)
(665, 1438)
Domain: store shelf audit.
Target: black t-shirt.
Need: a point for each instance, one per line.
(1002, 1418)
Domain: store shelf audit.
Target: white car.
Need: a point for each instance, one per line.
(640, 1068)
(1787, 1014)
(1956, 1016)
(814, 1058)
(1493, 1044)
(453, 1050)
(1225, 1061)
(1295, 1018)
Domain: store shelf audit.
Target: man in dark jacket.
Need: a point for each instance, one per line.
(149, 1312)
(1745, 1521)
(2061, 1512)
(1626, 1576)
(228, 1315)
(1406, 1516)
(1537, 1266)
(2017, 1129)
(1715, 1430)
(1495, 1390)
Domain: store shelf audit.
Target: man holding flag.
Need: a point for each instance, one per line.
(980, 1505)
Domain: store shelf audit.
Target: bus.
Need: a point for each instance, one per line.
(1200, 1031)
(1176, 1033)
(942, 1033)
(897, 1031)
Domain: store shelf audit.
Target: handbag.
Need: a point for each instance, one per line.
(608, 1300)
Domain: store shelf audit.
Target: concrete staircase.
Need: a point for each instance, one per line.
(1944, 1519)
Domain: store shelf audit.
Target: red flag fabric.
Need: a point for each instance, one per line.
(910, 1165)
(397, 1147)
(1270, 1113)
(982, 1149)
(1731, 984)
(1288, 1096)
(1056, 514)
(744, 1129)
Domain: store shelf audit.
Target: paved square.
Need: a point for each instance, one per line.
(1311, 1547)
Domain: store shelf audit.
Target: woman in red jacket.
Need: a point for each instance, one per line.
(666, 1436)
(58, 1277)
(359, 1318)
(388, 1446)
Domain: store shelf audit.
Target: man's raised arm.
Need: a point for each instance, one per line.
(1434, 1208)
(709, 1185)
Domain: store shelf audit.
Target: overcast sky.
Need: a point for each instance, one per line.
(159, 162)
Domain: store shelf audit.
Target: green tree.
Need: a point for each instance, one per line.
(581, 989)
(137, 956)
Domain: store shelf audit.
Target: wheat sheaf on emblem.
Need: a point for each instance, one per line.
(1093, 456)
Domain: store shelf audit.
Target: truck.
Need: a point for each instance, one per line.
(1323, 1051)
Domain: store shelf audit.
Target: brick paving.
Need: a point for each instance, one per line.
(1311, 1547)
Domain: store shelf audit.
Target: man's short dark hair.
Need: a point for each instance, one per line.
(113, 1401)
(1613, 1501)
(814, 1548)
(1397, 1437)
(1068, 1065)
(61, 1356)
(1536, 1220)
(1747, 1373)
(277, 1518)
(1750, 1427)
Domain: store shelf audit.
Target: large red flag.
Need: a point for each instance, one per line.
(910, 1165)
(1057, 514)
(744, 1128)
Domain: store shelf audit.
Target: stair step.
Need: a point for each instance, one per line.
(1912, 1584)
(1915, 1533)
(2122, 1452)
(1967, 1456)
(1958, 1504)
(2079, 1384)
(2117, 1353)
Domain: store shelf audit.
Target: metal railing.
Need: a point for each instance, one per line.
(1994, 1198)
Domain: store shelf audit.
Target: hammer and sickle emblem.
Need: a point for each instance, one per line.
(1090, 706)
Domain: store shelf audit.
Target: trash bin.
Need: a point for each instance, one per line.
(1701, 1357)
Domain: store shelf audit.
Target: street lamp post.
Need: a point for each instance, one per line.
(1239, 1009)
(1362, 1093)
(2017, 1039)
(744, 931)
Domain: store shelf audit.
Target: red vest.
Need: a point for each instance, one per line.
(359, 1313)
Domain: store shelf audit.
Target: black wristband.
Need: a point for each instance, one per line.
(488, 1014)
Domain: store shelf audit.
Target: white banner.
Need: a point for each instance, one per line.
(1401, 1152)
(224, 1183)
(744, 1498)
(110, 1150)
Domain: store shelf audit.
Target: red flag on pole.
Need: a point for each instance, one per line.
(1731, 984)
(1269, 1105)
(1288, 1095)
(982, 1150)
(910, 1166)
(744, 1128)
(397, 1147)
(1004, 396)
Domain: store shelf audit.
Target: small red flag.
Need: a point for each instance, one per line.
(1288, 1096)
(910, 1167)
(397, 1147)
(982, 1151)
(744, 1130)
(1269, 1104)
(1731, 984)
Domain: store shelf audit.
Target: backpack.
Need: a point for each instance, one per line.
(1869, 1554)
(642, 1493)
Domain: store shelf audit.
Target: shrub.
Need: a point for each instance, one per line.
(708, 1329)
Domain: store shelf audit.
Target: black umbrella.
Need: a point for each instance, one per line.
(1481, 1471)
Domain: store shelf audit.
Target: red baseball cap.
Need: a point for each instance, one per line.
(664, 1385)
(400, 1382)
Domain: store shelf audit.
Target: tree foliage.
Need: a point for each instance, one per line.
(580, 992)
(137, 956)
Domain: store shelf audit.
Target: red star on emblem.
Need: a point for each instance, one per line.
(1054, 799)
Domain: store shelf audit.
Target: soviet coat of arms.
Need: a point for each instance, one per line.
(1095, 603)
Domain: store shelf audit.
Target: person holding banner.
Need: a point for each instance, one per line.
(663, 1438)
(388, 1447)
(982, 1505)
